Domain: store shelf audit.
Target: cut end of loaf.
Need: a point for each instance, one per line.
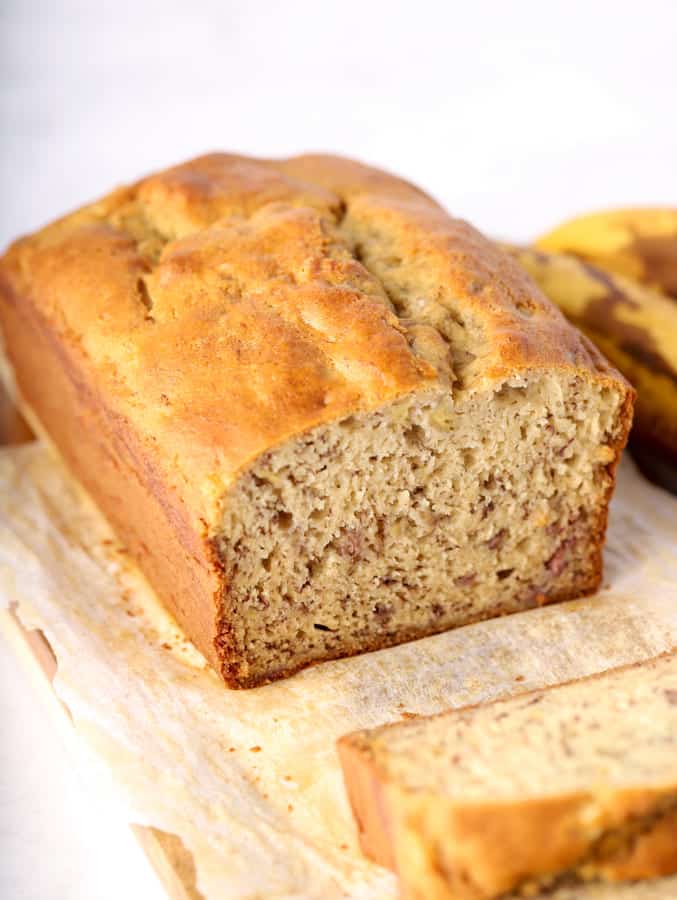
(427, 514)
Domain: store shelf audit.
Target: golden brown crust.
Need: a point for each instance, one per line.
(522, 329)
(212, 311)
(652, 855)
(504, 850)
(496, 847)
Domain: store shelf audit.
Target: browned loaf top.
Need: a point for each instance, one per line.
(174, 334)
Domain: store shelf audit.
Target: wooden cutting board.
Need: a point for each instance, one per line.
(171, 861)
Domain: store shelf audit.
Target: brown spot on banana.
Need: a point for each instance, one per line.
(659, 261)
(600, 314)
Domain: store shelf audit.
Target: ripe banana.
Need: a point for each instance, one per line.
(635, 327)
(638, 243)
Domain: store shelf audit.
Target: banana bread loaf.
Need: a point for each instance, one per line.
(572, 784)
(323, 416)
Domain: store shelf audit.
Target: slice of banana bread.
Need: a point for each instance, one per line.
(576, 783)
(322, 415)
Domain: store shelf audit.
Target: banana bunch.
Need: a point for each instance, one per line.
(638, 243)
(633, 324)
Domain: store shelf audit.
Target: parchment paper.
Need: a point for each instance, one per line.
(250, 780)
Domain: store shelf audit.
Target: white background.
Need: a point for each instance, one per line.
(514, 114)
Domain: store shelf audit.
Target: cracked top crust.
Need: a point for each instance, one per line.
(227, 304)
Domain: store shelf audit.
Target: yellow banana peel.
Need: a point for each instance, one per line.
(638, 243)
(635, 327)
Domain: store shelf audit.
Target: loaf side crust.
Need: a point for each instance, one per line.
(116, 471)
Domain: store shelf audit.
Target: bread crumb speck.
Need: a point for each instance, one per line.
(255, 749)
